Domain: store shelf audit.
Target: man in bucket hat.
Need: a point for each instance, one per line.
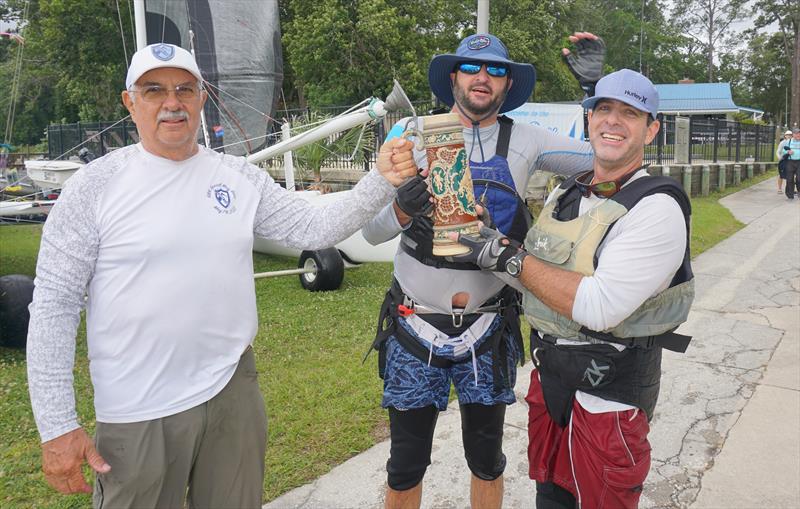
(160, 237)
(607, 278)
(446, 322)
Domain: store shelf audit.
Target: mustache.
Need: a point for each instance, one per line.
(172, 115)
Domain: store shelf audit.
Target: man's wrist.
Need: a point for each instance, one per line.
(402, 217)
(512, 263)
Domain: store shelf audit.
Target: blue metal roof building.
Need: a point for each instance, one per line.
(699, 99)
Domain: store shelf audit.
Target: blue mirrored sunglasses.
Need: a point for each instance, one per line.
(498, 71)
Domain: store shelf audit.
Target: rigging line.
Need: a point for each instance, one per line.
(12, 108)
(164, 22)
(95, 135)
(133, 25)
(122, 35)
(254, 138)
(228, 94)
(228, 115)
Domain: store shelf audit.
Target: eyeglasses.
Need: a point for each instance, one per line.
(157, 93)
(601, 189)
(495, 70)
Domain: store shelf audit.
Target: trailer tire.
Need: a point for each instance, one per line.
(328, 269)
(16, 293)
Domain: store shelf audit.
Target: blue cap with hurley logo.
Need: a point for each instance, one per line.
(629, 87)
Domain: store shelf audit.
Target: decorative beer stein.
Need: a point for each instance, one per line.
(449, 181)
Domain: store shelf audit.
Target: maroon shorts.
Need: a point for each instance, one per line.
(608, 453)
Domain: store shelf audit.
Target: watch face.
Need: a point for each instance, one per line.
(514, 266)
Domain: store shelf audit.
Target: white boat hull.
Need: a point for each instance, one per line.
(50, 175)
(355, 248)
(25, 208)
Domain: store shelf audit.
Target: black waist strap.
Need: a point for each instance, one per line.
(434, 261)
(669, 340)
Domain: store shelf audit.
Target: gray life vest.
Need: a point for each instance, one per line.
(632, 376)
(565, 240)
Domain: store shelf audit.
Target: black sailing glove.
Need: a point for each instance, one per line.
(489, 250)
(413, 197)
(586, 63)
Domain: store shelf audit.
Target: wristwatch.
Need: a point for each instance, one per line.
(514, 264)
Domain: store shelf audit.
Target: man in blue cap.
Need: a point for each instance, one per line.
(444, 321)
(606, 279)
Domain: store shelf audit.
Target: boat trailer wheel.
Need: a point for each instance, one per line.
(327, 266)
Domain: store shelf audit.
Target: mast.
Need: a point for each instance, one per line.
(483, 16)
(139, 21)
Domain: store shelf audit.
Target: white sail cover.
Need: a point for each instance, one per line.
(238, 48)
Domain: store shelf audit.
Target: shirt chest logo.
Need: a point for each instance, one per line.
(223, 198)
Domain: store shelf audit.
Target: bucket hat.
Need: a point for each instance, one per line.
(629, 87)
(482, 48)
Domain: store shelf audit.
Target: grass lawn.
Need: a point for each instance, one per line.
(323, 405)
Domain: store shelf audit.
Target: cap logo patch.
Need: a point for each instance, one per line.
(636, 96)
(163, 52)
(478, 42)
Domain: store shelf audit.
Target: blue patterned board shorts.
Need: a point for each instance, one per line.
(409, 382)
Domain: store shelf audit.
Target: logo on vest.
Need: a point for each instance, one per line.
(224, 198)
(540, 244)
(595, 374)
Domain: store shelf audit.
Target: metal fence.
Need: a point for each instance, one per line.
(714, 140)
(711, 140)
(63, 140)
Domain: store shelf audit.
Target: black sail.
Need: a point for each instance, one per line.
(237, 45)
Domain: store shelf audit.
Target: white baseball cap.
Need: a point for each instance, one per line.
(160, 55)
(787, 132)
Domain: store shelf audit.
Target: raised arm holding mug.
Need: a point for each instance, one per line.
(160, 236)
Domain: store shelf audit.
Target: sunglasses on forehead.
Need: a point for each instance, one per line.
(601, 189)
(495, 70)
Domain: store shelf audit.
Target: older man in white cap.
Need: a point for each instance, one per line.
(160, 235)
(607, 279)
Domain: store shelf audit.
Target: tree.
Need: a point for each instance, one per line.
(708, 22)
(754, 76)
(342, 52)
(73, 67)
(786, 13)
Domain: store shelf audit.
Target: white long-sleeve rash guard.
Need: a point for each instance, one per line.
(165, 251)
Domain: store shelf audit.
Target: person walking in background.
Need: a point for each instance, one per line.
(792, 149)
(782, 157)
(607, 278)
(160, 234)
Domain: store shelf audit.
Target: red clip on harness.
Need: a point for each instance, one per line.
(404, 311)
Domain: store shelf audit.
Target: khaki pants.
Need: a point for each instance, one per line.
(215, 450)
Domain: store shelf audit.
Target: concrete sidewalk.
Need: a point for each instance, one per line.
(726, 433)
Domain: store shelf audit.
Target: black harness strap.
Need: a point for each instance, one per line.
(503, 136)
(509, 308)
(669, 340)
